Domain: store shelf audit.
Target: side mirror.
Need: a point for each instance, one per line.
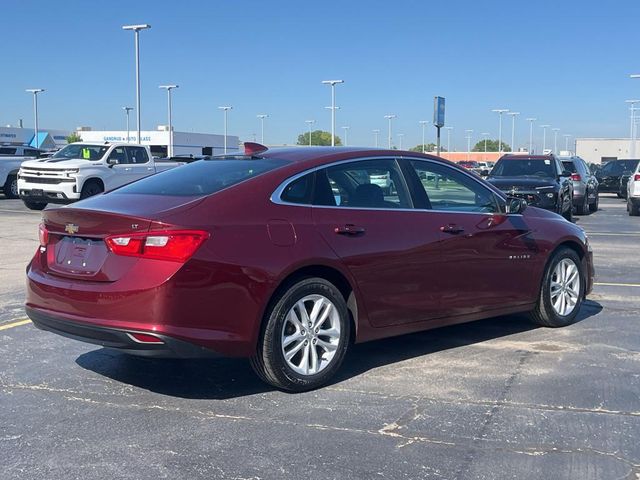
(515, 205)
(111, 162)
(565, 173)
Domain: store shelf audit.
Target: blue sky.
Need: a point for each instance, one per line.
(565, 62)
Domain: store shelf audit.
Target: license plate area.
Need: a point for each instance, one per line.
(78, 256)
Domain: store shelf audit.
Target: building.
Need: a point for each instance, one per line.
(184, 143)
(601, 150)
(47, 139)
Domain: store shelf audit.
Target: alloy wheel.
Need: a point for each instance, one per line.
(565, 287)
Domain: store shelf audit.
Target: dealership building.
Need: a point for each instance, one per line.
(47, 139)
(602, 150)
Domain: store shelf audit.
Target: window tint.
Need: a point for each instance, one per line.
(444, 188)
(7, 151)
(137, 155)
(569, 165)
(299, 191)
(29, 152)
(203, 177)
(515, 167)
(363, 184)
(118, 155)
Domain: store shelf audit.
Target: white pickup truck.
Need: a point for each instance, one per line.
(633, 193)
(81, 170)
(11, 157)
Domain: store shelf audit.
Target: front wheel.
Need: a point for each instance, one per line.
(562, 290)
(90, 189)
(305, 337)
(34, 205)
(568, 215)
(10, 187)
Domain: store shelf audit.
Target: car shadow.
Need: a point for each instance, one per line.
(225, 378)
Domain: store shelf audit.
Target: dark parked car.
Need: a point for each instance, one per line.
(539, 179)
(585, 185)
(289, 256)
(610, 174)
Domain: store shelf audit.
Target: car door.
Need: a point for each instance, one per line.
(363, 211)
(484, 254)
(140, 163)
(121, 169)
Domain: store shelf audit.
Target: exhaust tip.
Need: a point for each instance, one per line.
(146, 338)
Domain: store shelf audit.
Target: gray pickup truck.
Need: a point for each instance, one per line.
(11, 157)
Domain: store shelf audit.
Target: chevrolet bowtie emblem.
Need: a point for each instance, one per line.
(71, 228)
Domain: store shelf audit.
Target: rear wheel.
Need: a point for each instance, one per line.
(305, 337)
(91, 188)
(34, 205)
(562, 290)
(583, 209)
(593, 207)
(10, 187)
(633, 208)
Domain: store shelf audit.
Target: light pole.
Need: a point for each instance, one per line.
(346, 132)
(632, 134)
(424, 124)
(566, 141)
(309, 123)
(136, 33)
(400, 135)
(544, 137)
(468, 132)
(376, 132)
(555, 140)
(389, 117)
(513, 129)
(126, 112)
(262, 116)
(500, 111)
(448, 138)
(531, 120)
(168, 88)
(485, 135)
(226, 110)
(333, 108)
(35, 92)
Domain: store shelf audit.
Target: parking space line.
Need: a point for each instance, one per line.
(15, 324)
(616, 234)
(606, 284)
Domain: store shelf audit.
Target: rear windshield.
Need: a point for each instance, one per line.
(569, 165)
(200, 178)
(524, 167)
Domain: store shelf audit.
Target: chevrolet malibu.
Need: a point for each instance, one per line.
(290, 256)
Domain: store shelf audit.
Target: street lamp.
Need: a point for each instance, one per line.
(168, 88)
(448, 138)
(333, 108)
(632, 135)
(544, 137)
(389, 117)
(126, 112)
(262, 116)
(35, 92)
(346, 131)
(531, 120)
(513, 129)
(226, 110)
(310, 123)
(500, 111)
(376, 132)
(136, 33)
(468, 132)
(400, 135)
(485, 135)
(566, 141)
(555, 139)
(424, 124)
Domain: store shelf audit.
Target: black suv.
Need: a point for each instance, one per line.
(539, 179)
(611, 173)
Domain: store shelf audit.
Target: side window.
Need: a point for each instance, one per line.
(7, 151)
(299, 191)
(137, 155)
(119, 155)
(444, 188)
(362, 184)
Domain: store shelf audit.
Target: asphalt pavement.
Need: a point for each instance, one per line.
(493, 399)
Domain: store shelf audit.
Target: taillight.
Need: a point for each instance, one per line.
(43, 235)
(172, 245)
(636, 177)
(576, 177)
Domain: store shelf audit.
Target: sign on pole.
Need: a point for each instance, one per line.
(438, 118)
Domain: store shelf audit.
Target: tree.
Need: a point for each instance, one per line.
(318, 137)
(492, 146)
(74, 137)
(429, 147)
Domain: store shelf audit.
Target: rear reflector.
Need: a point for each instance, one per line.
(43, 235)
(576, 177)
(172, 245)
(144, 338)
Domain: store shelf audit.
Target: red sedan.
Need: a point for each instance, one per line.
(289, 256)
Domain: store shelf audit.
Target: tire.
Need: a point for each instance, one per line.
(270, 363)
(633, 209)
(594, 206)
(34, 205)
(584, 208)
(10, 187)
(545, 313)
(619, 195)
(568, 215)
(91, 188)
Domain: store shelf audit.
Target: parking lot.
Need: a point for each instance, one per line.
(496, 398)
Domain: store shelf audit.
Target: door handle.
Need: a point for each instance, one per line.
(149, 168)
(451, 228)
(128, 169)
(349, 229)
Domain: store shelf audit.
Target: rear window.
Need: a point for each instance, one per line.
(568, 165)
(201, 178)
(517, 167)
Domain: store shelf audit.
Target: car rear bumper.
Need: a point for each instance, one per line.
(120, 339)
